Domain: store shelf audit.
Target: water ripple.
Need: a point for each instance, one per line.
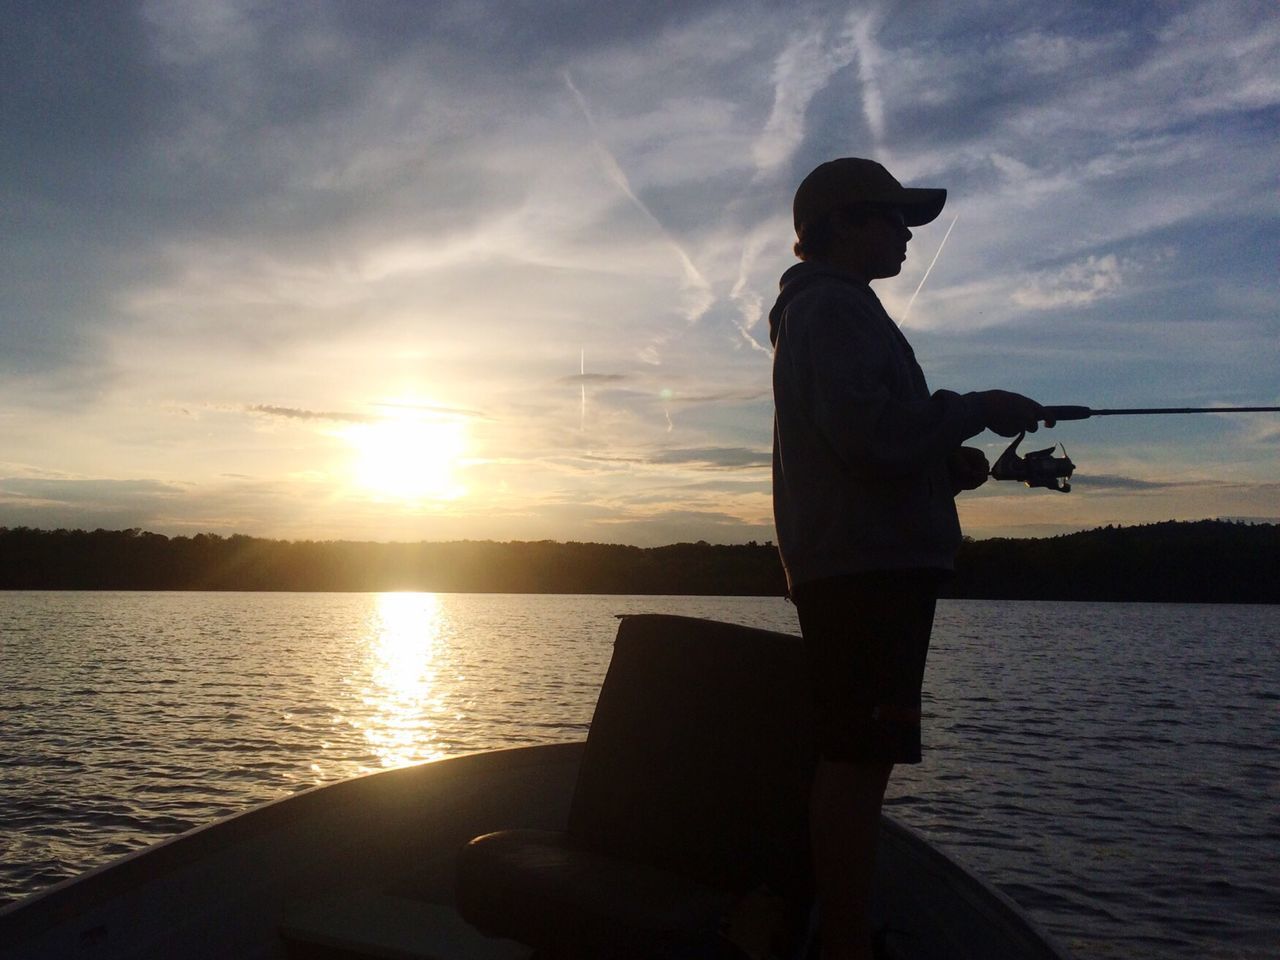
(1115, 767)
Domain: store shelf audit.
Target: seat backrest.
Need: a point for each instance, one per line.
(699, 756)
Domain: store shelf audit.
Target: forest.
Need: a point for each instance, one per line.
(1208, 561)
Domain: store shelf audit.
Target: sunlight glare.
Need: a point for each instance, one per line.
(409, 457)
(407, 631)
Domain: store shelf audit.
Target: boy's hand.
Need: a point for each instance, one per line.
(968, 467)
(1009, 414)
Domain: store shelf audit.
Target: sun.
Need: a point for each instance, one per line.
(409, 457)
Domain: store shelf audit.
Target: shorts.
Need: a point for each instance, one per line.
(867, 638)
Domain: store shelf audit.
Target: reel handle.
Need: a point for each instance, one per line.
(1067, 413)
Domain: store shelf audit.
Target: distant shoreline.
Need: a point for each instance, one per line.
(1207, 561)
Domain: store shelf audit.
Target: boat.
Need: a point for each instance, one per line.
(612, 847)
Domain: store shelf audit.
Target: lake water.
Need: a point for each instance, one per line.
(1115, 768)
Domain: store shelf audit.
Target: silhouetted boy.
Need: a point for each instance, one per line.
(866, 466)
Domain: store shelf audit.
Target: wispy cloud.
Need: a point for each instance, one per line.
(593, 378)
(81, 502)
(861, 28)
(1076, 284)
(1105, 481)
(698, 295)
(717, 457)
(802, 69)
(294, 413)
(344, 206)
(432, 408)
(725, 396)
(720, 458)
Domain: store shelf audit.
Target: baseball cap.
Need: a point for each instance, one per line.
(841, 183)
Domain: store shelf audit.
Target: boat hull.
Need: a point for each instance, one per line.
(223, 890)
(229, 889)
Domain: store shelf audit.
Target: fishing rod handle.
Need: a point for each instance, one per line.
(1067, 413)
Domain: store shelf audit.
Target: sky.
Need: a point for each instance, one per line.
(501, 270)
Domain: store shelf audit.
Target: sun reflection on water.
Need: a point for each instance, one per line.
(405, 635)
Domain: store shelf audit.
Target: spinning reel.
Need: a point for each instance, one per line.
(1040, 468)
(1043, 469)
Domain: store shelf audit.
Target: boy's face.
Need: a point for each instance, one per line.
(876, 244)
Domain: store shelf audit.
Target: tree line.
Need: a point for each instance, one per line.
(1205, 561)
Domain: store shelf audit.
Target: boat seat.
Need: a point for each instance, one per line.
(691, 802)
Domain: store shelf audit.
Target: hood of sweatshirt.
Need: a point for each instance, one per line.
(799, 278)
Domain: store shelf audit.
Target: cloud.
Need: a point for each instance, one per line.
(803, 67)
(734, 396)
(1041, 52)
(718, 458)
(1222, 55)
(433, 408)
(682, 524)
(1262, 432)
(592, 378)
(79, 490)
(697, 290)
(1105, 481)
(293, 413)
(662, 525)
(749, 300)
(74, 502)
(341, 204)
(861, 29)
(1074, 285)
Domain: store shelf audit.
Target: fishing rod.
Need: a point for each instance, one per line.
(1084, 413)
(1041, 468)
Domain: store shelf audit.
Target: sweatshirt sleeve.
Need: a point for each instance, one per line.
(845, 366)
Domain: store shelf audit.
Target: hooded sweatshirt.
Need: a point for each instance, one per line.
(860, 478)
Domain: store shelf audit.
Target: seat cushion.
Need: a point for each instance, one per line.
(700, 755)
(692, 797)
(535, 887)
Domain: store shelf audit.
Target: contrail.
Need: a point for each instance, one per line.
(623, 183)
(907, 311)
(694, 280)
(582, 369)
(748, 302)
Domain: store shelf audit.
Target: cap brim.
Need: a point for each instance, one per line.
(920, 205)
